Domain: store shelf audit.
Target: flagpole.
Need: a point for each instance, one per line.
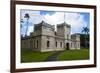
(64, 17)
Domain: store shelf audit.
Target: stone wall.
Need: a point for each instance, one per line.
(44, 38)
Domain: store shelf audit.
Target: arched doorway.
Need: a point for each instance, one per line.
(67, 46)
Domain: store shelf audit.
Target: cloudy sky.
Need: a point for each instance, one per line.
(77, 20)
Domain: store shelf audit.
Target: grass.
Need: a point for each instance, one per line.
(74, 55)
(33, 56)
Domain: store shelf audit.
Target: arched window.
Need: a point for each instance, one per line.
(37, 43)
(34, 44)
(78, 45)
(60, 44)
(24, 43)
(48, 43)
(56, 44)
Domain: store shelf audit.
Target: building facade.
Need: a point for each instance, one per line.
(45, 38)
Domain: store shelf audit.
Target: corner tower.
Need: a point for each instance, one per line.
(64, 30)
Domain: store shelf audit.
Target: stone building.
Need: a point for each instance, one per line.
(45, 38)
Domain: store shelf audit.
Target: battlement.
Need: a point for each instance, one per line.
(36, 26)
(63, 24)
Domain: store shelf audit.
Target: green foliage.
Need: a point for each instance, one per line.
(85, 30)
(84, 40)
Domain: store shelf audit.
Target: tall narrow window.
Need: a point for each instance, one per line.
(67, 36)
(56, 44)
(71, 44)
(31, 44)
(24, 43)
(48, 43)
(60, 44)
(37, 43)
(34, 43)
(78, 45)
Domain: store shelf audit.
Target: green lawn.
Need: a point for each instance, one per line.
(74, 55)
(33, 56)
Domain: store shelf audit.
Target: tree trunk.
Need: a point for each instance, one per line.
(26, 28)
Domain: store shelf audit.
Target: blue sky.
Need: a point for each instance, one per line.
(86, 18)
(47, 12)
(77, 20)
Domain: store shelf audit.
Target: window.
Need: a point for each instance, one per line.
(67, 36)
(71, 44)
(60, 44)
(37, 43)
(78, 44)
(48, 43)
(31, 43)
(24, 43)
(34, 43)
(56, 44)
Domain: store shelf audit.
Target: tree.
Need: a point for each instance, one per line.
(85, 30)
(27, 17)
(21, 22)
(21, 26)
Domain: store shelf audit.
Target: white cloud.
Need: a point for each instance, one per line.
(54, 19)
(76, 20)
(35, 18)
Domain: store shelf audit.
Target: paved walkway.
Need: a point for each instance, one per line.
(53, 57)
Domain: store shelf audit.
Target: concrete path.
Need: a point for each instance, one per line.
(53, 57)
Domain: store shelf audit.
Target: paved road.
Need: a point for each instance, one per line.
(53, 57)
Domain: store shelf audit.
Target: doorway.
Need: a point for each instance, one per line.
(67, 46)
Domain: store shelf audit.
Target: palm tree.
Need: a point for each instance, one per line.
(27, 17)
(21, 25)
(21, 22)
(85, 30)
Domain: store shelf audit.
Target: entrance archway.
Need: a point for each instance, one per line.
(67, 46)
